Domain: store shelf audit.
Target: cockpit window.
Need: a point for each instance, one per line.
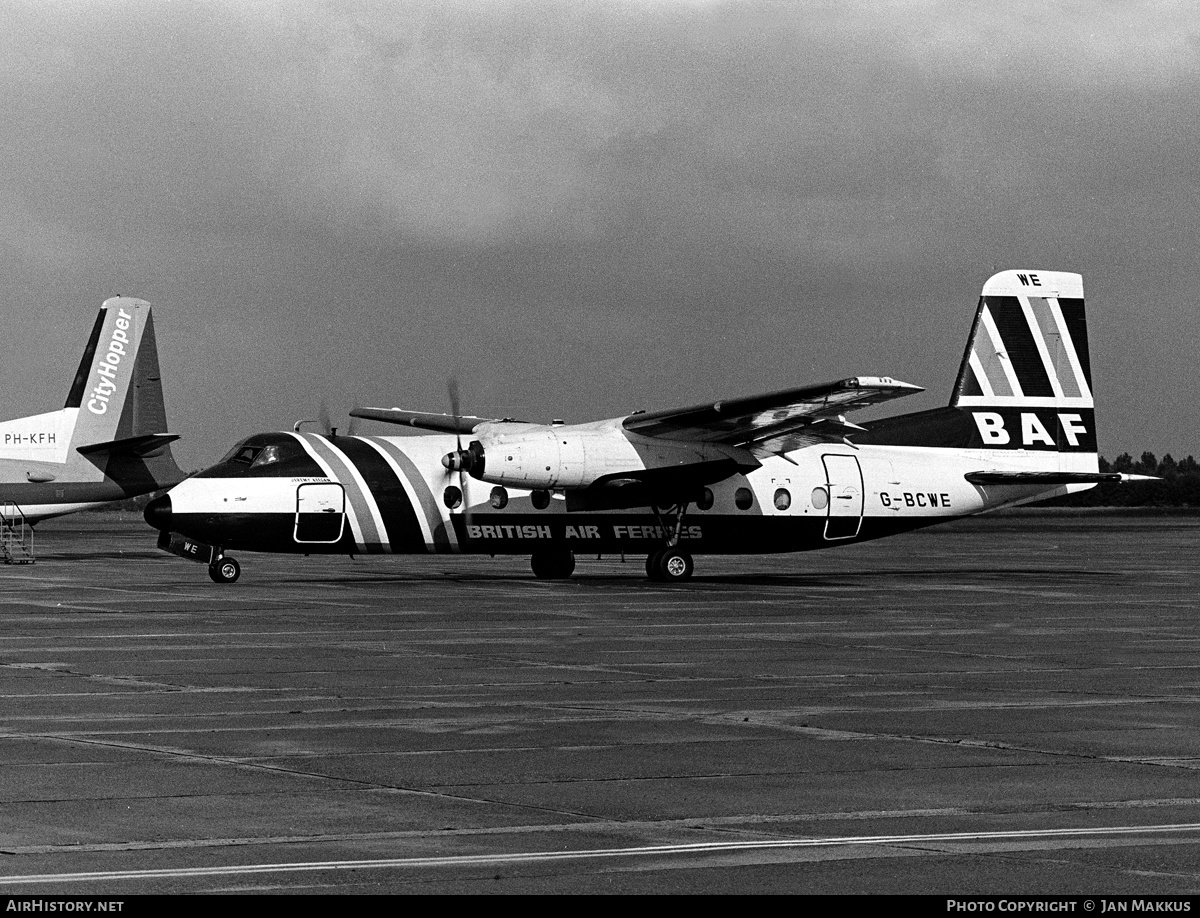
(258, 455)
(243, 454)
(266, 456)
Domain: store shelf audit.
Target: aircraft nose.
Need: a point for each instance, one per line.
(158, 513)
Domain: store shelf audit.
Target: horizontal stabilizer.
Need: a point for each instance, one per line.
(426, 420)
(1052, 478)
(130, 446)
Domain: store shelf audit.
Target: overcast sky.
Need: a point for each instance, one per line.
(581, 209)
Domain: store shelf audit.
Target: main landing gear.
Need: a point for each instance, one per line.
(553, 564)
(670, 564)
(224, 570)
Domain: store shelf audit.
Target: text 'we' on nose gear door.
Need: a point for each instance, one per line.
(320, 512)
(845, 481)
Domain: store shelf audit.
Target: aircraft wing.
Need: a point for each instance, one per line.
(426, 420)
(777, 421)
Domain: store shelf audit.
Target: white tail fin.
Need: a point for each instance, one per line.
(1026, 375)
(1028, 345)
(118, 389)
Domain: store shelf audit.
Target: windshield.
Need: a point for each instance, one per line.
(257, 455)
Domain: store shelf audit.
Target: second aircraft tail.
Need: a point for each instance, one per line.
(121, 422)
(114, 423)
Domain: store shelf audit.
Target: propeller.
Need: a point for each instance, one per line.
(461, 460)
(455, 410)
(321, 420)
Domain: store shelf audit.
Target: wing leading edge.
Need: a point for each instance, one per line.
(425, 420)
(775, 422)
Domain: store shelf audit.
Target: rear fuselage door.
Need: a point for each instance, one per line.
(320, 512)
(845, 496)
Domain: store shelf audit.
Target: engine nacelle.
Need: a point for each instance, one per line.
(562, 456)
(571, 456)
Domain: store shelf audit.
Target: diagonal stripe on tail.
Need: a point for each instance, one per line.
(1028, 345)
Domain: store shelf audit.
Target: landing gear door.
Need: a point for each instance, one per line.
(320, 512)
(845, 496)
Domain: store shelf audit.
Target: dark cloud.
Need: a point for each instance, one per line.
(580, 209)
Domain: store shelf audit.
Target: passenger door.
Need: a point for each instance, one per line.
(320, 512)
(844, 477)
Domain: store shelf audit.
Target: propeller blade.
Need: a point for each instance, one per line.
(456, 411)
(452, 391)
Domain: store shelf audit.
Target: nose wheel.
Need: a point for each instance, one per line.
(669, 565)
(224, 570)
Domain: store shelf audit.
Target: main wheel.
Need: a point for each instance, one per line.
(652, 566)
(670, 565)
(224, 570)
(552, 565)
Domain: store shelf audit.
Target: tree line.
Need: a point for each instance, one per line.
(1179, 485)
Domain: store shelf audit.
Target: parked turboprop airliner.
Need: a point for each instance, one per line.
(108, 443)
(779, 472)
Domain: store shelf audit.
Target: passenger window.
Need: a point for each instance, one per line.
(783, 499)
(452, 497)
(705, 501)
(820, 498)
(743, 499)
(541, 499)
(499, 499)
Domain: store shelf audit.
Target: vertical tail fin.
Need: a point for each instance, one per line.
(121, 422)
(1026, 374)
(118, 389)
(1028, 345)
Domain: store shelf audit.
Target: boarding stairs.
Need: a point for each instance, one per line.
(16, 535)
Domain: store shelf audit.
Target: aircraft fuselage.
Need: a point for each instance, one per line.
(379, 495)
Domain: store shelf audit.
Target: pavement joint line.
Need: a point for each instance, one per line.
(311, 775)
(664, 850)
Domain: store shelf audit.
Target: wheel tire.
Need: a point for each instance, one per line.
(225, 570)
(674, 566)
(552, 565)
(653, 568)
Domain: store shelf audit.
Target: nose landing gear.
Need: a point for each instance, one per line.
(224, 570)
